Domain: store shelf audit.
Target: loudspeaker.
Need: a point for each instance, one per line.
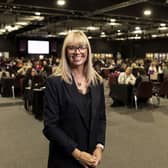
(22, 46)
(53, 46)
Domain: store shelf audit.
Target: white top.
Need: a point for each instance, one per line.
(126, 79)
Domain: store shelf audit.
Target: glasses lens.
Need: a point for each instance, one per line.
(74, 48)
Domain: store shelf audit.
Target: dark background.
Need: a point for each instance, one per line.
(128, 48)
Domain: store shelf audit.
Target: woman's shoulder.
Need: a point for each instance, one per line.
(98, 83)
(54, 79)
(121, 73)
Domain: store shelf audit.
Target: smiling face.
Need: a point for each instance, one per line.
(76, 47)
(77, 54)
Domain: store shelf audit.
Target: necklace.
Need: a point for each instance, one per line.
(79, 83)
(82, 87)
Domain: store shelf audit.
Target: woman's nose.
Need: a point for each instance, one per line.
(77, 50)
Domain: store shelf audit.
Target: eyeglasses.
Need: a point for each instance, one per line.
(80, 48)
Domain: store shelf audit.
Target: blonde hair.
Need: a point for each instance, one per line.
(64, 70)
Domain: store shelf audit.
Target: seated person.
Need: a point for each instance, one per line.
(4, 73)
(153, 72)
(165, 70)
(142, 76)
(127, 77)
(152, 68)
(33, 80)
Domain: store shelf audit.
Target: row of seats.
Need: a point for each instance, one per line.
(145, 90)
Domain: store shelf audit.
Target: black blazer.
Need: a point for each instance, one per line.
(65, 125)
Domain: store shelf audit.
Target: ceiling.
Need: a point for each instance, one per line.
(96, 18)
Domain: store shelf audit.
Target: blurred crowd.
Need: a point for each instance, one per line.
(33, 71)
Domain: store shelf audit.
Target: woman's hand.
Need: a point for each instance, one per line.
(85, 158)
(98, 154)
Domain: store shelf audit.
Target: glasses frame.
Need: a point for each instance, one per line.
(80, 48)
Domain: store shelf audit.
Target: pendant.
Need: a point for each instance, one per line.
(79, 83)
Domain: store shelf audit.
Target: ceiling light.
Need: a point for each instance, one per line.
(31, 18)
(112, 20)
(162, 28)
(137, 31)
(2, 30)
(137, 28)
(38, 18)
(120, 38)
(37, 13)
(61, 2)
(147, 12)
(162, 24)
(22, 23)
(136, 37)
(154, 35)
(103, 34)
(63, 33)
(92, 28)
(119, 33)
(10, 28)
(51, 35)
(161, 35)
(113, 24)
(89, 37)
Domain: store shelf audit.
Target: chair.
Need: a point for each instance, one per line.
(19, 85)
(143, 91)
(28, 99)
(155, 91)
(162, 91)
(7, 87)
(112, 79)
(37, 103)
(122, 93)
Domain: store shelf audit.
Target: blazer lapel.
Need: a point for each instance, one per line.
(93, 104)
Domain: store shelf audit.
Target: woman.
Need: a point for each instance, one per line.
(74, 108)
(127, 77)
